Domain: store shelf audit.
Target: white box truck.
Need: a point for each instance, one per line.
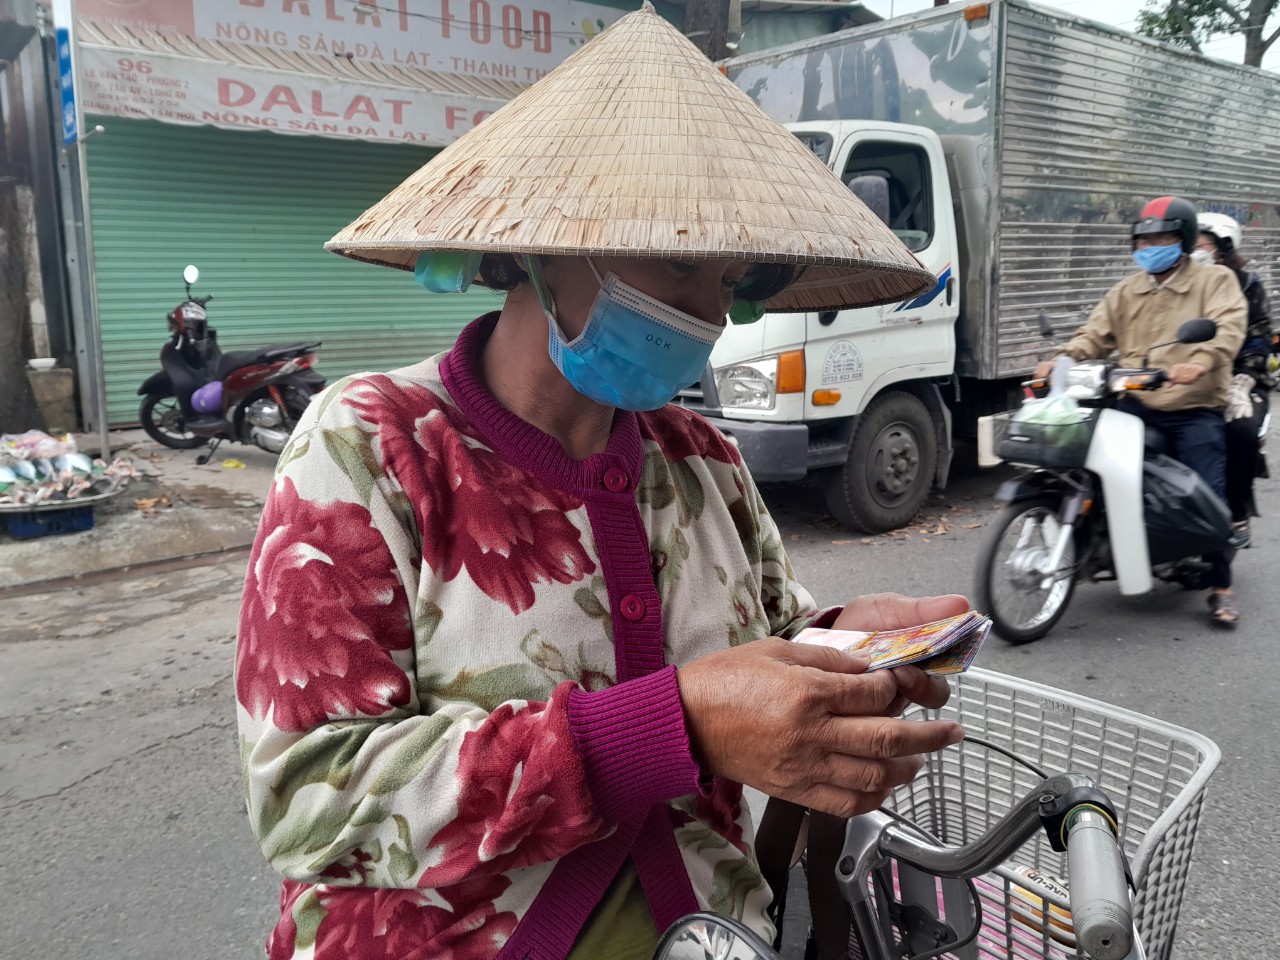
(1010, 146)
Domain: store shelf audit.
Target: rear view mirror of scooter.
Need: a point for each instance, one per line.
(191, 273)
(1193, 331)
(1197, 331)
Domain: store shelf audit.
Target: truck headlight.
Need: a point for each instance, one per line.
(748, 386)
(755, 385)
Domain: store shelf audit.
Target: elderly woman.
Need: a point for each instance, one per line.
(515, 631)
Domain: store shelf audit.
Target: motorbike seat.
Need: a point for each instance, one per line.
(236, 359)
(1155, 443)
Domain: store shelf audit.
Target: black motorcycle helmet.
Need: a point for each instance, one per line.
(1168, 215)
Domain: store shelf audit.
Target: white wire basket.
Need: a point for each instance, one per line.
(1154, 772)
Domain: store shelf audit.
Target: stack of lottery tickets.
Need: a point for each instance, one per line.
(941, 648)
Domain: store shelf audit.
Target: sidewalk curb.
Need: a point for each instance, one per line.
(94, 576)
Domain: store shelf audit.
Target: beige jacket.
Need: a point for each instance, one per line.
(1136, 314)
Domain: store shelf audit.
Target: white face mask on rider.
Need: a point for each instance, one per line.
(1203, 257)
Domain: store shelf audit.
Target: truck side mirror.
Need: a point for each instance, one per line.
(1197, 331)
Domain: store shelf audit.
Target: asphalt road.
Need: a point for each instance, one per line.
(123, 831)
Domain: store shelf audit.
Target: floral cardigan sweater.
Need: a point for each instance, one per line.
(455, 670)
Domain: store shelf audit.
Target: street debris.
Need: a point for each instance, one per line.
(150, 506)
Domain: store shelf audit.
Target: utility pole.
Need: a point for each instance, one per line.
(706, 23)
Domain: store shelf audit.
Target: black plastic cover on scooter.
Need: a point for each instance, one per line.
(1185, 518)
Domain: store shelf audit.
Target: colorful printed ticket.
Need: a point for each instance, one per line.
(940, 648)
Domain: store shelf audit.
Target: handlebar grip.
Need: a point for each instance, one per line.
(1101, 911)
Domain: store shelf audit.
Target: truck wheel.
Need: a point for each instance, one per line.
(890, 466)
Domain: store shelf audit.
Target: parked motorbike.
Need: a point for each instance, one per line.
(203, 395)
(1100, 501)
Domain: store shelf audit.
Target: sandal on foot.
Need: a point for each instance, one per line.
(1222, 608)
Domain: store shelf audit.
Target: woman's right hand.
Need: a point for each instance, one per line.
(807, 724)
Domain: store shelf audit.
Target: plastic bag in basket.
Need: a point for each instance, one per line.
(1064, 424)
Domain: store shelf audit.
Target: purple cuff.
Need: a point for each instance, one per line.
(633, 741)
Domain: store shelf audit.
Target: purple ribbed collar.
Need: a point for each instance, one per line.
(521, 442)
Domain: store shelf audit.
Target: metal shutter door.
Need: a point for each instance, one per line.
(252, 210)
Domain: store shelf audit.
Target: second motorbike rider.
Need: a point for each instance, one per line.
(1147, 309)
(1247, 405)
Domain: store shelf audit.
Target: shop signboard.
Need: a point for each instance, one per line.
(389, 43)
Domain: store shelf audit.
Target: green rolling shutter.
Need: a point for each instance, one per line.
(252, 210)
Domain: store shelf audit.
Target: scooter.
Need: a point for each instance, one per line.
(1099, 501)
(203, 395)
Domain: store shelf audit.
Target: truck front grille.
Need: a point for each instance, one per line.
(690, 396)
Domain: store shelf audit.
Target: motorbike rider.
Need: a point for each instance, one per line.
(1219, 242)
(1146, 309)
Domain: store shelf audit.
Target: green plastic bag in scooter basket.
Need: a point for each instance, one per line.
(1056, 428)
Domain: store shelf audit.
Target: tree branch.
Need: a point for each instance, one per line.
(1181, 15)
(1230, 11)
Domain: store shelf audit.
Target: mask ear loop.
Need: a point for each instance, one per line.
(534, 270)
(539, 282)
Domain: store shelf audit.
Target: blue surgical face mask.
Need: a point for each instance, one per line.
(1158, 259)
(634, 352)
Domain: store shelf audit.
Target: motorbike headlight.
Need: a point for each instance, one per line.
(748, 386)
(1086, 381)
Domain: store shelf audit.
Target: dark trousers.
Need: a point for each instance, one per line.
(1198, 439)
(1243, 451)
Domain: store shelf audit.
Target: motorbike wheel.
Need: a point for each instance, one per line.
(162, 419)
(296, 402)
(1009, 589)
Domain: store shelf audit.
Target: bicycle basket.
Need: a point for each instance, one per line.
(1044, 444)
(1154, 772)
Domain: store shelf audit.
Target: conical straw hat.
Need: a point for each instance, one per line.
(637, 146)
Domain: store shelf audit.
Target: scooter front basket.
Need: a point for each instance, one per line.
(1064, 444)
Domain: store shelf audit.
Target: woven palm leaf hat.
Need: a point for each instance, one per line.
(637, 146)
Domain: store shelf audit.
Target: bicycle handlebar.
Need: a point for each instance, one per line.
(1100, 909)
(1102, 915)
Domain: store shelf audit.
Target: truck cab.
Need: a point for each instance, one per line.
(854, 394)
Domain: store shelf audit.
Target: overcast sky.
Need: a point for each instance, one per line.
(1117, 13)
